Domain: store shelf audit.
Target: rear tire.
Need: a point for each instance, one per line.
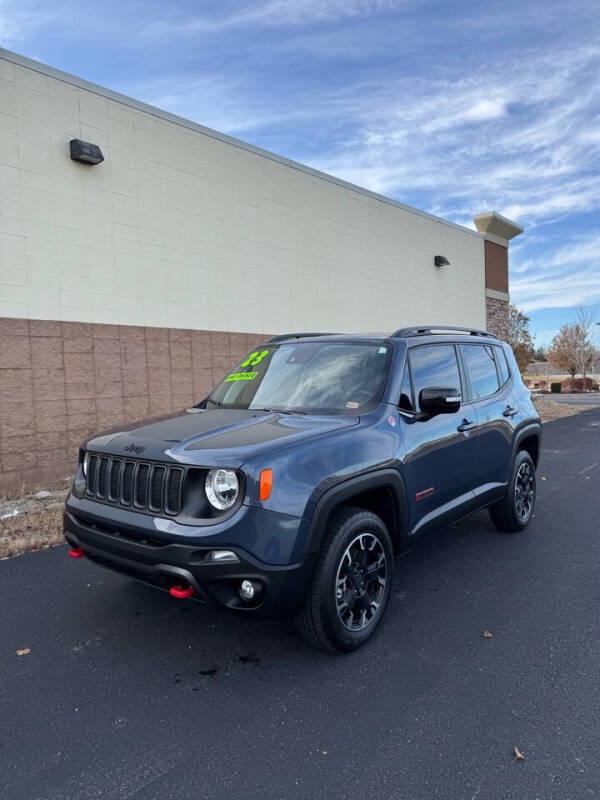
(513, 513)
(351, 584)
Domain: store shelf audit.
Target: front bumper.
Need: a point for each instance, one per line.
(163, 564)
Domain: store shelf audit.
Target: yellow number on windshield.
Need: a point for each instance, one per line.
(254, 358)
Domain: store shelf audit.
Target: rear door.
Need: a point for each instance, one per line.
(441, 452)
(490, 391)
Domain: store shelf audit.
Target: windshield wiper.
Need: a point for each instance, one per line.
(276, 410)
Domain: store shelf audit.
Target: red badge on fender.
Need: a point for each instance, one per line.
(392, 421)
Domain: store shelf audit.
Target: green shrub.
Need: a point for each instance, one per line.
(555, 388)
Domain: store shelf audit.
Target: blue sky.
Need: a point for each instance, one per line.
(453, 107)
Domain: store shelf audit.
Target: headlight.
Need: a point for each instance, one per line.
(222, 488)
(86, 460)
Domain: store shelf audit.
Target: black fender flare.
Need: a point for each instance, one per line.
(524, 432)
(342, 492)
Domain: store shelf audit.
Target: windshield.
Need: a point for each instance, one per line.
(325, 377)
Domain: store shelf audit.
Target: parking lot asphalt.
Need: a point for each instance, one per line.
(587, 399)
(127, 693)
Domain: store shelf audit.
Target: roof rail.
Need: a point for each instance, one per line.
(427, 330)
(283, 336)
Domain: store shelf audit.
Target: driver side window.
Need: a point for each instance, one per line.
(434, 365)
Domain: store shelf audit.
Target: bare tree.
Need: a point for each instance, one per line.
(563, 349)
(586, 328)
(572, 349)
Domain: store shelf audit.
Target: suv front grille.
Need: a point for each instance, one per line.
(174, 483)
(153, 487)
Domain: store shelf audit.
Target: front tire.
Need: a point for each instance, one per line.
(513, 513)
(351, 584)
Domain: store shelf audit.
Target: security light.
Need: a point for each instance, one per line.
(85, 152)
(441, 261)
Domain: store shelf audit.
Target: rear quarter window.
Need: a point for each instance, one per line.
(502, 365)
(481, 371)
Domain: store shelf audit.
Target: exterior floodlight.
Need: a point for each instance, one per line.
(441, 261)
(85, 152)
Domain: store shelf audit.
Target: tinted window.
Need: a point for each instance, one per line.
(434, 365)
(481, 369)
(502, 365)
(406, 402)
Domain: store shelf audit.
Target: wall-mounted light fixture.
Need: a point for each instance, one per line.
(441, 261)
(85, 152)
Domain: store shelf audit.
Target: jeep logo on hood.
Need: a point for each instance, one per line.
(135, 448)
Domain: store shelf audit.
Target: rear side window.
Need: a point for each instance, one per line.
(502, 365)
(481, 370)
(434, 365)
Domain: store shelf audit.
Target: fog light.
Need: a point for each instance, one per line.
(247, 590)
(221, 555)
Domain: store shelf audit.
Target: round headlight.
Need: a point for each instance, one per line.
(86, 461)
(222, 488)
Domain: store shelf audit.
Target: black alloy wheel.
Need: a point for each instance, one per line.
(360, 582)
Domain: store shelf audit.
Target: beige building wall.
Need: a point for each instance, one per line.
(183, 228)
(128, 288)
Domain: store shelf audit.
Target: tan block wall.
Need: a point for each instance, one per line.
(61, 381)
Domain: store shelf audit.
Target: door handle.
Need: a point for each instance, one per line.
(466, 425)
(509, 411)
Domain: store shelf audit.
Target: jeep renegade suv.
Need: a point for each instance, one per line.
(292, 486)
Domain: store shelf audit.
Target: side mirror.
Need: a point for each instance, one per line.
(439, 400)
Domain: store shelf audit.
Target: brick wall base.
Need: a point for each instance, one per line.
(61, 381)
(496, 313)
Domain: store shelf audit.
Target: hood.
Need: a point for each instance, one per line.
(219, 437)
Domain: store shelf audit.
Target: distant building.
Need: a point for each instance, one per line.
(542, 368)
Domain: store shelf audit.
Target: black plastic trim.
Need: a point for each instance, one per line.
(214, 582)
(524, 432)
(318, 510)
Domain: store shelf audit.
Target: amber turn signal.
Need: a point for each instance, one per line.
(266, 483)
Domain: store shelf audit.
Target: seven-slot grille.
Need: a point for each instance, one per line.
(139, 484)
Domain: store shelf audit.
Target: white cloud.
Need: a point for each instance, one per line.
(486, 108)
(273, 13)
(522, 141)
(20, 19)
(279, 12)
(568, 277)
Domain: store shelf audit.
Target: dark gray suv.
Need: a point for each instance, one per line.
(291, 487)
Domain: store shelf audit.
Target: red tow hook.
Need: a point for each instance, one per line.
(181, 593)
(76, 552)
